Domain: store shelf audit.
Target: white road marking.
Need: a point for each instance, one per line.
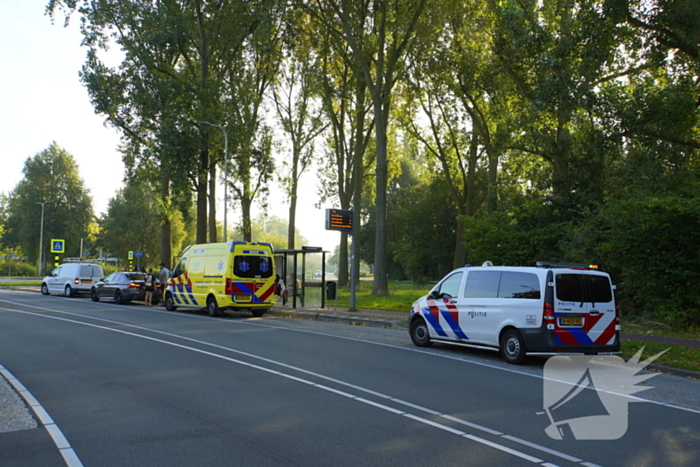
(368, 391)
(277, 373)
(504, 449)
(473, 425)
(69, 456)
(544, 449)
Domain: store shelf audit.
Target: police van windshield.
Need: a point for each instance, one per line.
(252, 267)
(583, 288)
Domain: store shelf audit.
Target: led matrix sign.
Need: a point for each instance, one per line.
(339, 219)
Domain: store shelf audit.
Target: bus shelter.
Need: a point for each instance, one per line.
(304, 277)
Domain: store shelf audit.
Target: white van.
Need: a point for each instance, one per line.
(72, 279)
(550, 309)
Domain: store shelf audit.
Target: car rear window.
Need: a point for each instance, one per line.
(583, 288)
(135, 276)
(90, 270)
(252, 266)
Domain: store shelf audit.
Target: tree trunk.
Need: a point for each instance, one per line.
(381, 281)
(202, 197)
(291, 228)
(166, 233)
(246, 227)
(358, 176)
(460, 257)
(212, 204)
(343, 274)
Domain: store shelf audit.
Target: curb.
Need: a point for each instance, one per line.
(673, 371)
(340, 319)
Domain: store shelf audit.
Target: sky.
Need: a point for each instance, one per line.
(42, 101)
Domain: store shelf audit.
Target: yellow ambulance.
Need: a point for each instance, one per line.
(216, 276)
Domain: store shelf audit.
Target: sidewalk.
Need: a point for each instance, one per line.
(362, 317)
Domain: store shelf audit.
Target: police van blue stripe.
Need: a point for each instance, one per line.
(433, 322)
(453, 325)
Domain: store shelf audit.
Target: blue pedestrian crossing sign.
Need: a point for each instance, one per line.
(58, 245)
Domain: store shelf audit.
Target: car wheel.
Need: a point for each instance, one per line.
(258, 312)
(420, 334)
(512, 347)
(44, 289)
(213, 307)
(94, 295)
(170, 303)
(118, 297)
(69, 291)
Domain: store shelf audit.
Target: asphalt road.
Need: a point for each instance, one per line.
(129, 385)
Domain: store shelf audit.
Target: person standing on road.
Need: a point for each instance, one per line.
(163, 278)
(281, 289)
(150, 287)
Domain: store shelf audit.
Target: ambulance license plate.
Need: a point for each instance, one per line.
(571, 321)
(243, 298)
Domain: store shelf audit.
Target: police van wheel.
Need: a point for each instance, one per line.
(512, 347)
(69, 291)
(419, 333)
(44, 289)
(258, 312)
(213, 307)
(170, 303)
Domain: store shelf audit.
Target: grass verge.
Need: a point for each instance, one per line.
(686, 358)
(656, 329)
(401, 296)
(20, 283)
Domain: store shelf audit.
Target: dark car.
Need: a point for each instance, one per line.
(123, 287)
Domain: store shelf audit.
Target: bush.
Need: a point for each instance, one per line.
(17, 268)
(654, 242)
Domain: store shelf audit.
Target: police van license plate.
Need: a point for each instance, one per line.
(571, 321)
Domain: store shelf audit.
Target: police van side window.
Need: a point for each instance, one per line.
(482, 284)
(450, 286)
(519, 285)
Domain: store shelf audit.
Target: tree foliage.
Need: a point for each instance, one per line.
(501, 130)
(50, 177)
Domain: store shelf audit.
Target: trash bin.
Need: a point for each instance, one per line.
(331, 287)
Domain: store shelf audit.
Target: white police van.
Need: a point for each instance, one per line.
(549, 309)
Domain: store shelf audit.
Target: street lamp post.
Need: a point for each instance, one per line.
(41, 237)
(225, 172)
